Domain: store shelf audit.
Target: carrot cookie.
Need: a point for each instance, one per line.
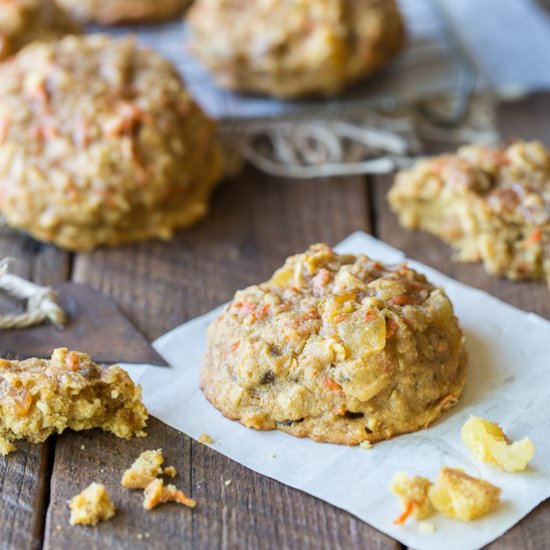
(22, 21)
(40, 397)
(113, 12)
(101, 144)
(491, 204)
(291, 49)
(337, 348)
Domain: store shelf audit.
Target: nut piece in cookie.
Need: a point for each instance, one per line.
(41, 397)
(460, 496)
(91, 506)
(114, 12)
(338, 348)
(24, 21)
(101, 144)
(292, 49)
(413, 494)
(157, 493)
(490, 204)
(488, 443)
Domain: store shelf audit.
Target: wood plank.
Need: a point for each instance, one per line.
(524, 119)
(24, 475)
(256, 221)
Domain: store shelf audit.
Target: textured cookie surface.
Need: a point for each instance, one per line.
(40, 397)
(101, 144)
(297, 48)
(491, 204)
(338, 348)
(22, 21)
(113, 12)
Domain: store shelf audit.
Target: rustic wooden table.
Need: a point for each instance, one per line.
(256, 221)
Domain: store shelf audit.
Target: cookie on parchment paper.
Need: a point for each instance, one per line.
(101, 144)
(338, 348)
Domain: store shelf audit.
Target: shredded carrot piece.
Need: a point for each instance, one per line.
(370, 316)
(339, 318)
(235, 345)
(330, 384)
(534, 237)
(406, 513)
(403, 300)
(391, 327)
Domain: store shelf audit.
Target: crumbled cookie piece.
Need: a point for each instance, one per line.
(206, 439)
(157, 493)
(170, 471)
(146, 468)
(40, 397)
(461, 496)
(490, 204)
(6, 447)
(413, 494)
(91, 506)
(488, 443)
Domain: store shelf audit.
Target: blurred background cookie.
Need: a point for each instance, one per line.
(22, 21)
(291, 49)
(101, 144)
(113, 12)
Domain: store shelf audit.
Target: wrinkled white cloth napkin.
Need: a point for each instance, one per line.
(508, 382)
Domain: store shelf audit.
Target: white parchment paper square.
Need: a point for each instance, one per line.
(508, 381)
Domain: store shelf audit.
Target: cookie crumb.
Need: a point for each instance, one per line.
(426, 527)
(139, 536)
(91, 506)
(227, 482)
(82, 447)
(206, 439)
(145, 468)
(170, 471)
(272, 455)
(157, 493)
(365, 445)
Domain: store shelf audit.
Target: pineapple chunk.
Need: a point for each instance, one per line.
(413, 494)
(460, 496)
(488, 443)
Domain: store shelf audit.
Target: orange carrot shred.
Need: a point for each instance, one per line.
(330, 384)
(406, 513)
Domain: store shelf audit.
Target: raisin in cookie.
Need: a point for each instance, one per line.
(338, 348)
(291, 49)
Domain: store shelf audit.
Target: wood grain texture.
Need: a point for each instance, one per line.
(24, 475)
(255, 223)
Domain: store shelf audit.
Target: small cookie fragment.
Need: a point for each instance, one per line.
(488, 443)
(461, 496)
(6, 447)
(91, 506)
(206, 439)
(157, 493)
(146, 468)
(170, 471)
(413, 494)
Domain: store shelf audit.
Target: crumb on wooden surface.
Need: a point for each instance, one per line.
(145, 468)
(91, 506)
(157, 493)
(170, 471)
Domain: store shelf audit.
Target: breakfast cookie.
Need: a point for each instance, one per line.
(23, 21)
(40, 397)
(291, 49)
(491, 204)
(338, 348)
(101, 144)
(114, 12)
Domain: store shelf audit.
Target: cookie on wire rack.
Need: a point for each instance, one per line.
(293, 49)
(101, 144)
(23, 21)
(115, 12)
